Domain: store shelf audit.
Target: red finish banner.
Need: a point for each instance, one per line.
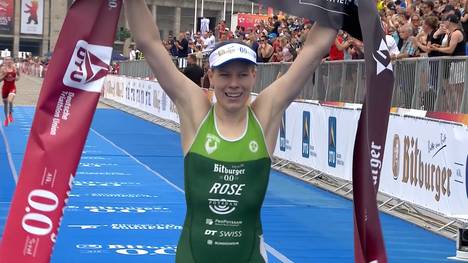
(361, 21)
(66, 106)
(250, 20)
(7, 16)
(369, 147)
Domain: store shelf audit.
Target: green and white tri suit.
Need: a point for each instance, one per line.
(225, 185)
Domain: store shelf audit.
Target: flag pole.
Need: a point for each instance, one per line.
(202, 8)
(224, 10)
(195, 20)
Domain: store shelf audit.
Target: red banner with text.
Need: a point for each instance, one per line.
(66, 106)
(7, 16)
(250, 20)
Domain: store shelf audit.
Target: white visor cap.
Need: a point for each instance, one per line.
(232, 52)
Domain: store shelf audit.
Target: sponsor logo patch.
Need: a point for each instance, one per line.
(283, 133)
(212, 143)
(222, 206)
(332, 141)
(306, 134)
(253, 146)
(88, 67)
(396, 157)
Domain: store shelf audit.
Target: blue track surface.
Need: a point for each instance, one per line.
(127, 203)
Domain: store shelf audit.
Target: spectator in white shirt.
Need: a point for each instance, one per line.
(209, 42)
(392, 45)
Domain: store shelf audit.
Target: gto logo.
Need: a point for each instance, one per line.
(212, 143)
(88, 66)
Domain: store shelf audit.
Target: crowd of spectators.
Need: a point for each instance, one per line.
(426, 27)
(414, 28)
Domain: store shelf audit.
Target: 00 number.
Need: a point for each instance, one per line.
(37, 223)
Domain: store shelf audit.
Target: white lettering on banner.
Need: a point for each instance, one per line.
(112, 4)
(230, 233)
(62, 110)
(223, 222)
(41, 202)
(35, 222)
(217, 243)
(210, 232)
(223, 234)
(219, 168)
(227, 189)
(66, 109)
(375, 161)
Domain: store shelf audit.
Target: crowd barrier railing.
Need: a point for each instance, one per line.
(432, 84)
(425, 163)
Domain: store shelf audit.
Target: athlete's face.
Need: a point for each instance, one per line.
(233, 84)
(8, 61)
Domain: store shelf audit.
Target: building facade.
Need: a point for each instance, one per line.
(34, 25)
(179, 15)
(31, 25)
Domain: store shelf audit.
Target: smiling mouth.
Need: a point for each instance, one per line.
(233, 95)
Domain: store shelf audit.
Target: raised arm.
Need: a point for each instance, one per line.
(273, 101)
(456, 38)
(191, 102)
(2, 74)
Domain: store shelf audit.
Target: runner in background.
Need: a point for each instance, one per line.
(9, 75)
(227, 146)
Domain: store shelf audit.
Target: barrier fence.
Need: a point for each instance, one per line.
(432, 84)
(425, 163)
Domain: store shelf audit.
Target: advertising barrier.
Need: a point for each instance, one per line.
(426, 161)
(144, 95)
(425, 164)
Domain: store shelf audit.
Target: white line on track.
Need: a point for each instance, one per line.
(10, 158)
(269, 248)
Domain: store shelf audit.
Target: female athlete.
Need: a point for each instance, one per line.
(227, 145)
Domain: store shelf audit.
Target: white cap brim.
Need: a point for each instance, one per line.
(231, 52)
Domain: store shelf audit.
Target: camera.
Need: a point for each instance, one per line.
(462, 245)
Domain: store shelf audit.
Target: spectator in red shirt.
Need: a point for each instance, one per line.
(337, 49)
